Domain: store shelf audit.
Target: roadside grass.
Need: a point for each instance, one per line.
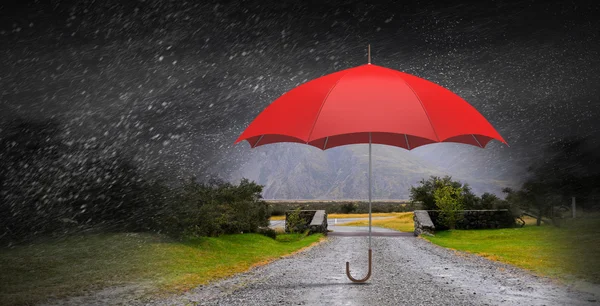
(76, 265)
(568, 253)
(397, 221)
(346, 216)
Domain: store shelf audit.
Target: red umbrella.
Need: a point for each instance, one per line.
(369, 104)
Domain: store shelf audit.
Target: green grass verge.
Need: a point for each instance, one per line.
(568, 253)
(75, 265)
(399, 221)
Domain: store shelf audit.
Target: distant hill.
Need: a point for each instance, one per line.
(293, 171)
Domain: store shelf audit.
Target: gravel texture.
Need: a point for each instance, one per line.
(406, 271)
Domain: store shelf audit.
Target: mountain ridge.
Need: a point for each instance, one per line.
(291, 171)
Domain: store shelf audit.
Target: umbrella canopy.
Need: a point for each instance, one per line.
(369, 104)
(397, 108)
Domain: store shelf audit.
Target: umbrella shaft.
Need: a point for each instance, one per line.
(369, 190)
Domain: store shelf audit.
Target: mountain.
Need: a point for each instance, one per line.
(294, 171)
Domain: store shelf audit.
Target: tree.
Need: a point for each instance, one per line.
(449, 200)
(512, 201)
(425, 192)
(214, 208)
(568, 167)
(294, 221)
(490, 201)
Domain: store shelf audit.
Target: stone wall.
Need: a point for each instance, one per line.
(472, 219)
(423, 224)
(319, 222)
(314, 220)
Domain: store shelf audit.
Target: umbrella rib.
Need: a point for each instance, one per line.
(322, 104)
(478, 143)
(325, 145)
(406, 139)
(259, 139)
(422, 105)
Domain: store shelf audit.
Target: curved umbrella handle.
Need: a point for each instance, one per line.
(366, 277)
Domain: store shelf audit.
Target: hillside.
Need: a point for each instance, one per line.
(292, 171)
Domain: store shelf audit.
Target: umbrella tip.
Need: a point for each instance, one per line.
(369, 52)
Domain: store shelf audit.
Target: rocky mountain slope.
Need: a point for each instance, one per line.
(292, 171)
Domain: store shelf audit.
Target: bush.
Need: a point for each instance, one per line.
(424, 193)
(348, 208)
(491, 201)
(215, 208)
(267, 231)
(294, 222)
(449, 201)
(276, 210)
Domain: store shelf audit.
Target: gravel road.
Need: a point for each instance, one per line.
(406, 271)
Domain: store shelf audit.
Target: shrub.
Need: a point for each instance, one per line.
(294, 222)
(215, 208)
(491, 201)
(267, 231)
(424, 193)
(349, 207)
(449, 201)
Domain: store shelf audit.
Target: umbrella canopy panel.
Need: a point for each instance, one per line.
(398, 109)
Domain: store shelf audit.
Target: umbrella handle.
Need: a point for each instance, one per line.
(366, 277)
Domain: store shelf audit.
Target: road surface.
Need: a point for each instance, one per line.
(406, 271)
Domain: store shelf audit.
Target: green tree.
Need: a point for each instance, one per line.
(294, 221)
(491, 201)
(424, 193)
(215, 208)
(449, 200)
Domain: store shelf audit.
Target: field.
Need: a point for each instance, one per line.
(344, 216)
(397, 221)
(568, 253)
(73, 266)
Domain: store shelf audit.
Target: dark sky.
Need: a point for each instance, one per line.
(176, 82)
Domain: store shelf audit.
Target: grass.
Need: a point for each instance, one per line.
(397, 221)
(568, 253)
(73, 266)
(344, 216)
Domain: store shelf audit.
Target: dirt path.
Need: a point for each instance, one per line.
(407, 271)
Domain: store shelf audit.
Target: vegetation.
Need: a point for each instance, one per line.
(54, 186)
(348, 208)
(397, 221)
(344, 216)
(77, 264)
(138, 229)
(214, 209)
(278, 208)
(568, 167)
(424, 194)
(568, 252)
(294, 221)
(449, 200)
